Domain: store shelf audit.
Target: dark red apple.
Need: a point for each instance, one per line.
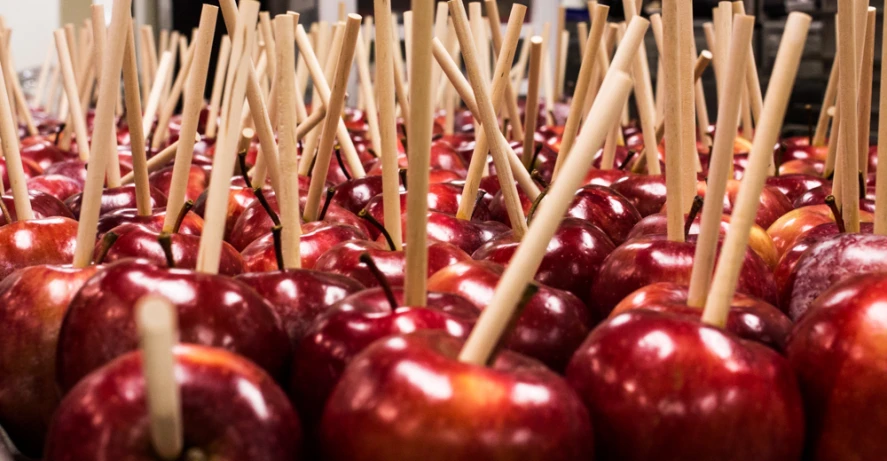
(36, 242)
(116, 198)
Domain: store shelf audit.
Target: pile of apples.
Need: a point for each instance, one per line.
(605, 357)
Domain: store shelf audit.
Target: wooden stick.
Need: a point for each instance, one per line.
(702, 119)
(400, 82)
(158, 161)
(547, 77)
(369, 99)
(723, 31)
(441, 20)
(721, 158)
(13, 81)
(151, 46)
(828, 100)
(751, 73)
(847, 96)
(243, 32)
(643, 93)
(582, 34)
(408, 40)
(672, 67)
(104, 131)
(625, 118)
(169, 106)
(136, 131)
(717, 306)
(520, 69)
(690, 163)
(571, 130)
(190, 115)
(334, 108)
(532, 109)
(514, 115)
(73, 98)
(881, 182)
(270, 45)
(212, 121)
(561, 56)
(166, 62)
(656, 25)
(454, 74)
(387, 121)
(157, 325)
(12, 154)
(43, 79)
(479, 31)
(525, 262)
(419, 153)
(486, 104)
(289, 161)
(99, 34)
(329, 69)
(564, 49)
(865, 91)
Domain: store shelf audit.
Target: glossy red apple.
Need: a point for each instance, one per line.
(60, 187)
(116, 198)
(317, 238)
(36, 242)
(43, 205)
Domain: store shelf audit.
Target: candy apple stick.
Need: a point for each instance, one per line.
(751, 73)
(690, 163)
(561, 57)
(723, 31)
(212, 122)
(151, 47)
(157, 325)
(104, 132)
(441, 21)
(190, 115)
(243, 32)
(369, 99)
(847, 97)
(169, 106)
(514, 115)
(419, 154)
(881, 183)
(702, 119)
(454, 74)
(99, 34)
(12, 154)
(400, 81)
(508, 165)
(721, 158)
(408, 38)
(270, 45)
(72, 96)
(610, 143)
(158, 161)
(479, 31)
(547, 77)
(520, 69)
(532, 109)
(828, 100)
(387, 121)
(334, 107)
(643, 94)
(166, 62)
(132, 95)
(865, 91)
(582, 35)
(43, 78)
(571, 130)
(672, 67)
(496, 317)
(289, 162)
(15, 85)
(717, 306)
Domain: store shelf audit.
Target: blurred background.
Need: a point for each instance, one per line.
(33, 20)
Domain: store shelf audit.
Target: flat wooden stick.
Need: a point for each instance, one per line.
(865, 91)
(289, 160)
(334, 108)
(532, 109)
(104, 131)
(212, 122)
(243, 31)
(190, 115)
(133, 98)
(73, 98)
(156, 321)
(525, 262)
(514, 114)
(828, 100)
(717, 306)
(848, 99)
(721, 159)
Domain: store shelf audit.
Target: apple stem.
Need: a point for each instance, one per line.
(383, 280)
(181, 217)
(363, 214)
(165, 241)
(260, 196)
(694, 211)
(839, 216)
(244, 170)
(631, 155)
(107, 242)
(527, 295)
(338, 150)
(862, 186)
(535, 157)
(330, 192)
(480, 196)
(58, 133)
(539, 179)
(535, 205)
(403, 178)
(276, 232)
(809, 110)
(7, 217)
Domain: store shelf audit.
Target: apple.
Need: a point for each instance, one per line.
(116, 198)
(35, 242)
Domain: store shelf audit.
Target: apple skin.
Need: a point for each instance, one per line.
(553, 324)
(448, 410)
(30, 168)
(191, 225)
(749, 318)
(44, 153)
(445, 227)
(817, 197)
(106, 415)
(645, 192)
(43, 205)
(33, 302)
(722, 398)
(40, 241)
(140, 241)
(572, 258)
(354, 195)
(607, 209)
(442, 198)
(375, 300)
(837, 352)
(831, 260)
(60, 187)
(213, 310)
(808, 167)
(74, 169)
(198, 181)
(317, 238)
(116, 198)
(299, 296)
(643, 261)
(795, 185)
(344, 259)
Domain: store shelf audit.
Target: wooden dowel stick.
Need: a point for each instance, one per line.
(582, 35)
(99, 35)
(520, 69)
(408, 41)
(564, 43)
(400, 81)
(190, 115)
(13, 81)
(289, 162)
(561, 57)
(525, 262)
(547, 77)
(656, 25)
(43, 79)
(751, 73)
(828, 100)
(532, 109)
(270, 44)
(723, 31)
(12, 154)
(881, 180)
(514, 115)
(571, 130)
(848, 97)
(721, 159)
(104, 132)
(690, 163)
(72, 93)
(454, 74)
(387, 121)
(166, 62)
(865, 91)
(702, 119)
(212, 122)
(672, 67)
(169, 106)
(717, 306)
(334, 108)
(441, 20)
(157, 325)
(133, 98)
(369, 99)
(158, 161)
(643, 94)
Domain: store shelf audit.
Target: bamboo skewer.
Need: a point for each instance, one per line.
(169, 106)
